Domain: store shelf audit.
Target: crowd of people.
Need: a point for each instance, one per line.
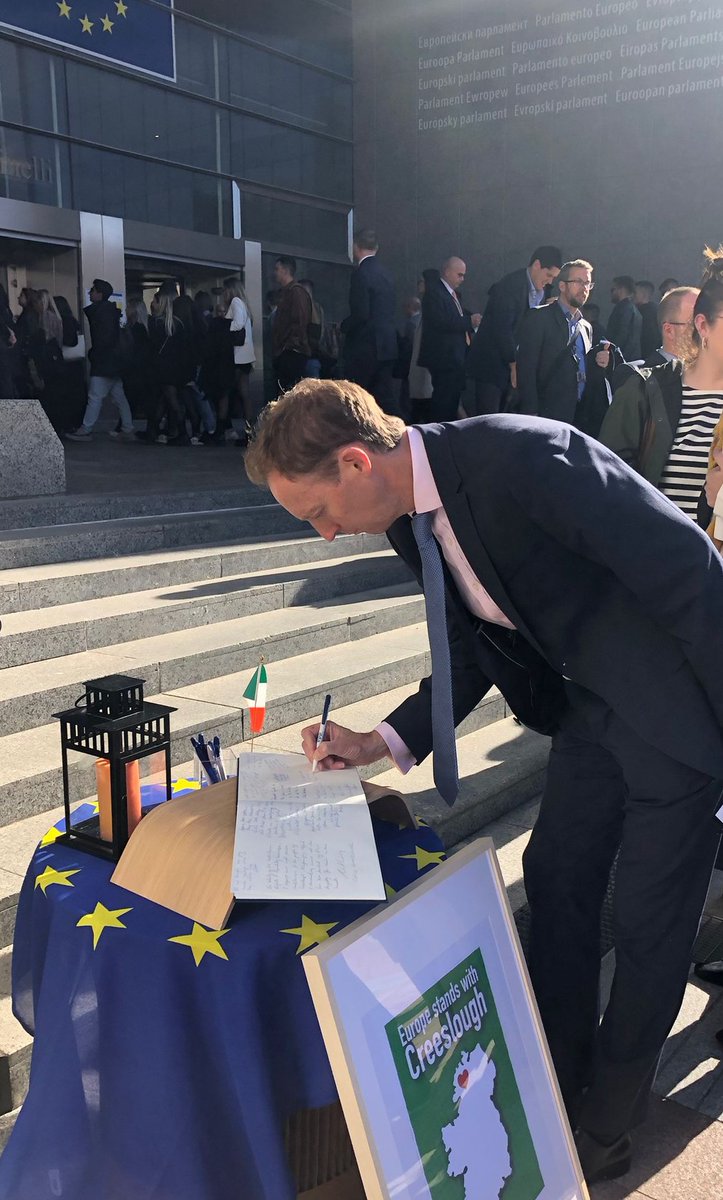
(182, 368)
(648, 382)
(180, 374)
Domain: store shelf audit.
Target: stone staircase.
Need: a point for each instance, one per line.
(187, 591)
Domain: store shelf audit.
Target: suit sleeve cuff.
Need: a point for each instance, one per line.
(398, 749)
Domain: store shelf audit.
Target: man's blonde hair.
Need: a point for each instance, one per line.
(300, 433)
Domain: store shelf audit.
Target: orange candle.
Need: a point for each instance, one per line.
(133, 792)
(105, 811)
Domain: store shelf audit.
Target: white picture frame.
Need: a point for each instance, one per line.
(437, 1048)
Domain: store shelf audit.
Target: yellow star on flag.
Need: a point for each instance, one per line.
(310, 933)
(185, 785)
(390, 891)
(202, 941)
(51, 836)
(50, 876)
(103, 918)
(121, 8)
(64, 8)
(107, 24)
(425, 858)
(86, 24)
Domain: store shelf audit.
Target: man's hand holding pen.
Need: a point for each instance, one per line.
(342, 747)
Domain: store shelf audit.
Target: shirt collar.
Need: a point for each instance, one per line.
(364, 257)
(534, 291)
(571, 317)
(449, 289)
(426, 495)
(666, 355)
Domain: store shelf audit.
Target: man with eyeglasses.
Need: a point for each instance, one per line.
(554, 347)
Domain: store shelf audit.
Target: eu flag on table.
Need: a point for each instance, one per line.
(131, 32)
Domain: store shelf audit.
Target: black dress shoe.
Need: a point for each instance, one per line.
(600, 1162)
(710, 972)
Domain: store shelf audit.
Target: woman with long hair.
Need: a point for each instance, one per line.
(50, 318)
(135, 374)
(168, 350)
(238, 312)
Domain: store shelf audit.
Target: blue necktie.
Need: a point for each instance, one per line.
(443, 738)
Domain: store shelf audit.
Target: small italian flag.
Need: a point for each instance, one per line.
(254, 699)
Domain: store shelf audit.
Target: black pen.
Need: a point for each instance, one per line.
(322, 728)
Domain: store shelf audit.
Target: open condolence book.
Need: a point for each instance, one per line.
(302, 835)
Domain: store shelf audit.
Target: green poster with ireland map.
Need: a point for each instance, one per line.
(461, 1093)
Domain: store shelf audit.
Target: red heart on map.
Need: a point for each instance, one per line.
(463, 1078)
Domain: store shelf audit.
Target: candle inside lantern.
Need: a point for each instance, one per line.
(133, 792)
(105, 810)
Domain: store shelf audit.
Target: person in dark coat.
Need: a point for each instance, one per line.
(446, 336)
(625, 324)
(169, 356)
(105, 362)
(650, 331)
(594, 606)
(554, 348)
(72, 383)
(492, 357)
(370, 333)
(7, 344)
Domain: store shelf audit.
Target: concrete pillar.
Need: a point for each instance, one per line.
(255, 291)
(102, 255)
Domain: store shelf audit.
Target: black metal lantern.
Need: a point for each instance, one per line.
(130, 740)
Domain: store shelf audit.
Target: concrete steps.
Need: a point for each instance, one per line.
(40, 634)
(189, 599)
(168, 661)
(128, 535)
(46, 586)
(36, 511)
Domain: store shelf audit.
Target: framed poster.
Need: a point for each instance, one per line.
(437, 1048)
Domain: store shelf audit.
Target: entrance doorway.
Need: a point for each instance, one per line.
(54, 266)
(144, 276)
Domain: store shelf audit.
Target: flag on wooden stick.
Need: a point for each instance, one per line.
(254, 699)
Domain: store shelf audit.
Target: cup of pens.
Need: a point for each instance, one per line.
(208, 759)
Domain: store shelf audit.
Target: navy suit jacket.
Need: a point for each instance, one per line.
(370, 330)
(546, 374)
(603, 577)
(445, 329)
(495, 343)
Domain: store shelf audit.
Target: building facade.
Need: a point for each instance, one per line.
(208, 135)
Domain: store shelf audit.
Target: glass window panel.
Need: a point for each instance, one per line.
(275, 87)
(26, 86)
(152, 192)
(291, 159)
(131, 115)
(195, 67)
(288, 223)
(34, 168)
(314, 32)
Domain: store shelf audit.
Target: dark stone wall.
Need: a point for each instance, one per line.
(621, 163)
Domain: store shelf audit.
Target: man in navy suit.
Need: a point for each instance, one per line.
(594, 606)
(492, 361)
(370, 333)
(446, 336)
